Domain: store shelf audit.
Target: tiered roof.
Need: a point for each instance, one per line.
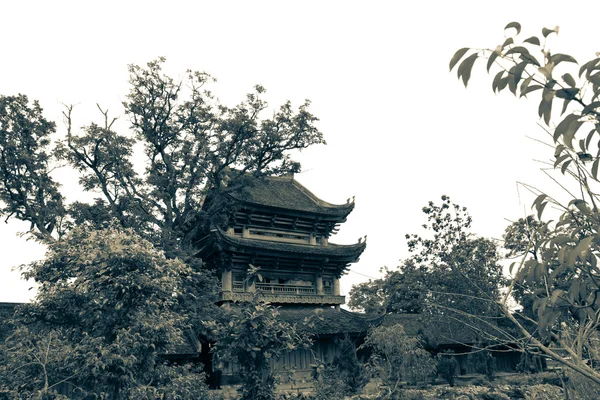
(288, 195)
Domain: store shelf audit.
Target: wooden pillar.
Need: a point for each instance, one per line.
(245, 232)
(336, 286)
(226, 281)
(320, 290)
(313, 239)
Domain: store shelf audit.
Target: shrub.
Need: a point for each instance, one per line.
(447, 367)
(348, 368)
(484, 363)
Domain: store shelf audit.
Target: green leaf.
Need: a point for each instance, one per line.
(570, 133)
(538, 200)
(589, 137)
(518, 50)
(464, 69)
(568, 93)
(530, 89)
(545, 108)
(569, 80)
(457, 56)
(540, 210)
(515, 25)
(563, 126)
(589, 66)
(595, 78)
(595, 168)
(532, 40)
(583, 247)
(546, 31)
(564, 167)
(560, 160)
(590, 107)
(558, 58)
(491, 59)
(496, 81)
(565, 105)
(515, 76)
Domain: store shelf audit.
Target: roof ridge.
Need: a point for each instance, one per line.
(317, 200)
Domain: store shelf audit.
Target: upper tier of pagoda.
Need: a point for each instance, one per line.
(279, 226)
(283, 203)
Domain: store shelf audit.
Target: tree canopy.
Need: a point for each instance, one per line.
(450, 273)
(189, 142)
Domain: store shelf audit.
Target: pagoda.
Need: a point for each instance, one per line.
(280, 227)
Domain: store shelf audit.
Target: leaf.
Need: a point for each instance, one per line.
(564, 167)
(546, 31)
(589, 66)
(464, 69)
(583, 247)
(546, 70)
(496, 81)
(569, 80)
(538, 200)
(570, 133)
(560, 159)
(556, 294)
(515, 74)
(545, 108)
(565, 105)
(595, 78)
(590, 107)
(589, 137)
(568, 93)
(558, 58)
(540, 210)
(595, 168)
(518, 50)
(530, 89)
(457, 56)
(563, 126)
(491, 59)
(532, 40)
(515, 25)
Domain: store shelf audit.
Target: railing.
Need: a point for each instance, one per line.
(238, 286)
(282, 288)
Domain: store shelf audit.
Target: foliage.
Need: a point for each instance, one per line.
(396, 356)
(189, 142)
(399, 291)
(447, 367)
(175, 382)
(563, 271)
(104, 312)
(483, 363)
(347, 367)
(252, 338)
(451, 275)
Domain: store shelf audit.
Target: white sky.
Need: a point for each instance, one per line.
(401, 130)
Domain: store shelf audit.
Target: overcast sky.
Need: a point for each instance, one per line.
(401, 130)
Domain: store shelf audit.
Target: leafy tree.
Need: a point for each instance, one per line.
(399, 291)
(108, 291)
(567, 317)
(252, 338)
(484, 363)
(189, 141)
(348, 368)
(396, 356)
(105, 310)
(447, 366)
(452, 275)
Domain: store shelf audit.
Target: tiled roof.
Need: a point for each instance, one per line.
(435, 331)
(351, 250)
(287, 194)
(327, 320)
